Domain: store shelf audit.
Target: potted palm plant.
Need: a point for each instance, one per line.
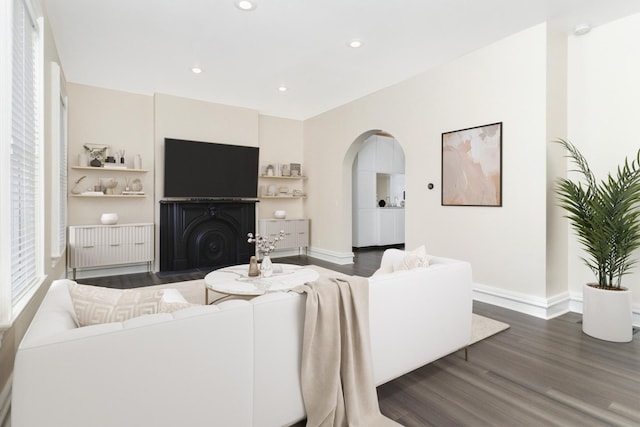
(606, 218)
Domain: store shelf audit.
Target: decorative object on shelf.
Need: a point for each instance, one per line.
(606, 219)
(97, 154)
(280, 214)
(108, 184)
(83, 160)
(295, 169)
(109, 218)
(283, 190)
(271, 190)
(253, 267)
(137, 162)
(120, 157)
(286, 171)
(270, 171)
(75, 189)
(136, 185)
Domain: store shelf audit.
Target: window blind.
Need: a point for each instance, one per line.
(24, 152)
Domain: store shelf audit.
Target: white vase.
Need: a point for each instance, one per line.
(109, 218)
(266, 267)
(607, 314)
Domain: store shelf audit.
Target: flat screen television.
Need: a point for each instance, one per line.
(195, 169)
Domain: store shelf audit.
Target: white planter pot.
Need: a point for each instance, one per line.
(606, 314)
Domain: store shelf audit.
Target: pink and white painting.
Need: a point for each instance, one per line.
(472, 166)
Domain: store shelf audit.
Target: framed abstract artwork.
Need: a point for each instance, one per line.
(472, 166)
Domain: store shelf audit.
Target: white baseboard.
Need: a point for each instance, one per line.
(544, 308)
(5, 403)
(341, 258)
(279, 253)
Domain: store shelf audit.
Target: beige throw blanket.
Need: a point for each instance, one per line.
(337, 373)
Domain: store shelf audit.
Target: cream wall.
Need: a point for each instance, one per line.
(281, 141)
(120, 120)
(53, 268)
(505, 82)
(604, 113)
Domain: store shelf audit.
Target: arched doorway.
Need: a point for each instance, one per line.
(378, 196)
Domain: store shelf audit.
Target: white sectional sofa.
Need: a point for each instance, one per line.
(236, 363)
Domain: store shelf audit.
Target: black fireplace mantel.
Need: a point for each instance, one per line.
(204, 233)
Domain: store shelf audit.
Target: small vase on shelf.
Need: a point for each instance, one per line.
(266, 267)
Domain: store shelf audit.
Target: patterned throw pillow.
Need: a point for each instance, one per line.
(95, 304)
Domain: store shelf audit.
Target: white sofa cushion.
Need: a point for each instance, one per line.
(95, 304)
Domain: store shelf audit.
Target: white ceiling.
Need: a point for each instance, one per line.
(150, 46)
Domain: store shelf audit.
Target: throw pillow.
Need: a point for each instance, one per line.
(95, 304)
(172, 300)
(414, 259)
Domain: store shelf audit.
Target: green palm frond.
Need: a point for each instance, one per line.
(605, 215)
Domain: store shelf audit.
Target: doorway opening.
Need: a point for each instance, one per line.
(378, 191)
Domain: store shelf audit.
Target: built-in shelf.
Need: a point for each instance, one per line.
(282, 177)
(282, 197)
(90, 168)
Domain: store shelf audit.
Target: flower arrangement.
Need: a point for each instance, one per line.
(263, 244)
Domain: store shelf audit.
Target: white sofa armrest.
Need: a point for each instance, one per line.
(193, 366)
(418, 316)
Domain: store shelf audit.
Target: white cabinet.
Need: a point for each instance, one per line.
(365, 231)
(386, 227)
(367, 155)
(103, 245)
(366, 194)
(390, 226)
(384, 154)
(296, 232)
(398, 159)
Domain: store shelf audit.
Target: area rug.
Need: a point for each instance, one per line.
(483, 327)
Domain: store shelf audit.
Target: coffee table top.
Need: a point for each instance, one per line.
(235, 280)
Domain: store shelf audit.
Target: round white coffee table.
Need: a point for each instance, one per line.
(235, 280)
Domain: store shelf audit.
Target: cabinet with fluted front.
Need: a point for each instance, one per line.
(105, 245)
(296, 232)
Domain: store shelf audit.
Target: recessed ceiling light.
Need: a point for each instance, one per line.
(355, 43)
(196, 70)
(282, 88)
(581, 29)
(245, 5)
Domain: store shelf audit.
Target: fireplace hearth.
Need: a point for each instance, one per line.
(197, 234)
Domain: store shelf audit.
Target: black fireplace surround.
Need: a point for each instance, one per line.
(205, 234)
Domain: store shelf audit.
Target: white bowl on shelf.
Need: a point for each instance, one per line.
(109, 218)
(280, 214)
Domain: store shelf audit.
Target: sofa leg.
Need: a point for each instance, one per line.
(466, 354)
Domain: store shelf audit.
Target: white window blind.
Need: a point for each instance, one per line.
(25, 153)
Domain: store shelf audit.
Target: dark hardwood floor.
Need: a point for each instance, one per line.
(536, 373)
